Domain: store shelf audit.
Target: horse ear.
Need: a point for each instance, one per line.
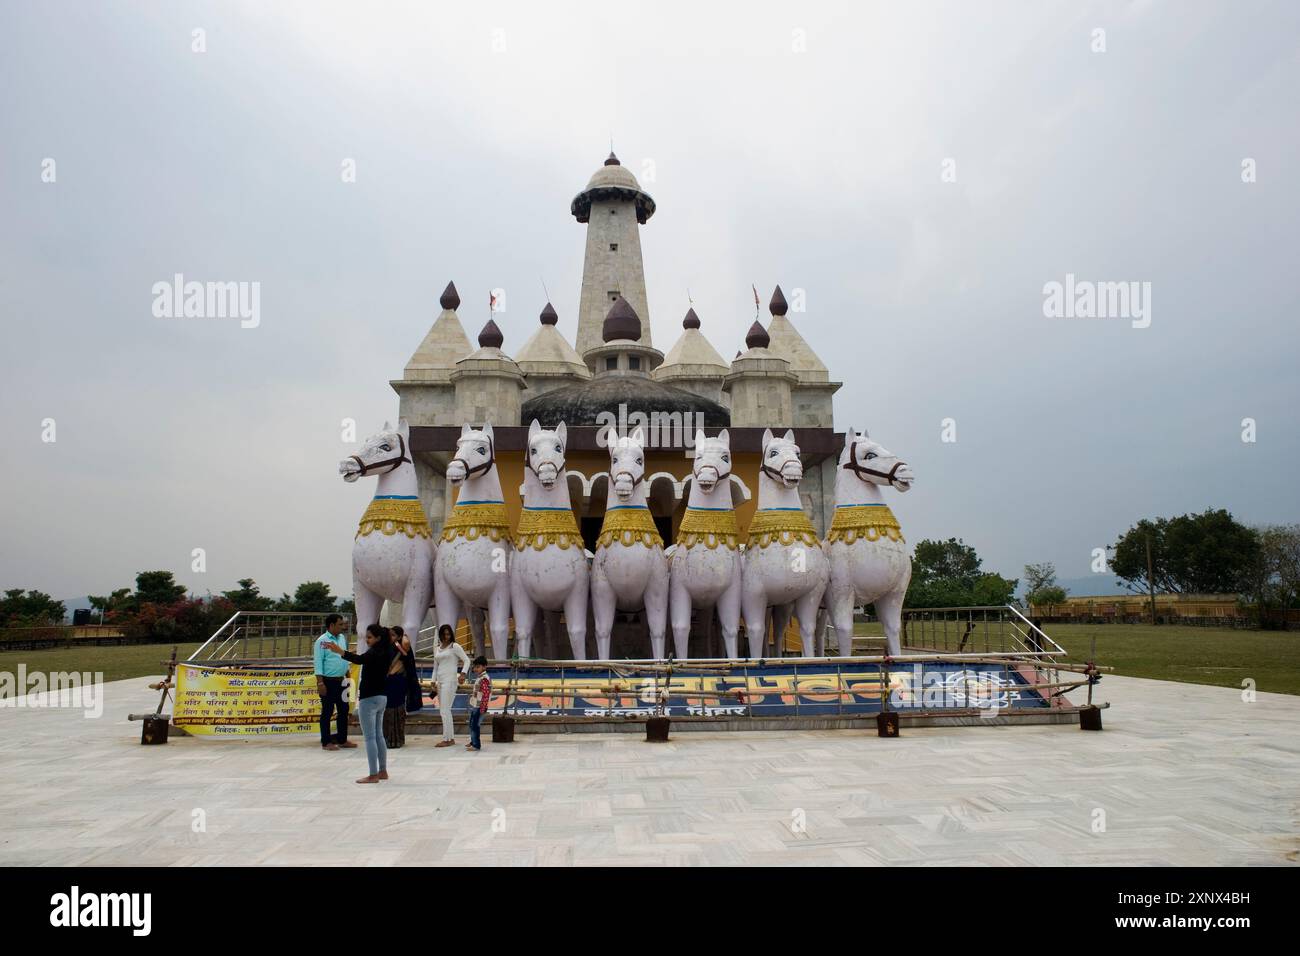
(638, 436)
(767, 438)
(388, 426)
(464, 430)
(724, 437)
(849, 435)
(403, 427)
(487, 429)
(699, 439)
(533, 429)
(562, 434)
(789, 434)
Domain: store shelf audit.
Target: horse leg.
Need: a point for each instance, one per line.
(575, 615)
(679, 615)
(445, 599)
(656, 609)
(602, 608)
(754, 604)
(525, 612)
(839, 605)
(805, 609)
(415, 600)
(729, 613)
(889, 608)
(476, 617)
(368, 605)
(781, 614)
(499, 619)
(822, 618)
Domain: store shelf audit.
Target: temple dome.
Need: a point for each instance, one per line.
(612, 181)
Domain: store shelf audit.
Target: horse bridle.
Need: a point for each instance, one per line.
(853, 466)
(484, 466)
(395, 462)
(768, 470)
(528, 462)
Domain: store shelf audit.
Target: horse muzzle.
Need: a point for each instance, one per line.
(349, 470)
(547, 473)
(707, 477)
(456, 472)
(623, 484)
(792, 474)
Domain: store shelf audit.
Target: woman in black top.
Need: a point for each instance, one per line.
(401, 675)
(372, 696)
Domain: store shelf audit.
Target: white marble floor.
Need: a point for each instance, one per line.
(1183, 775)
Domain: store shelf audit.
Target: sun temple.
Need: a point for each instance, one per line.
(613, 375)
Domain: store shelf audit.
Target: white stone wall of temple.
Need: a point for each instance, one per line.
(611, 266)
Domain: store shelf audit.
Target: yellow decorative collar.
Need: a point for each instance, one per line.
(863, 521)
(629, 525)
(476, 519)
(540, 527)
(393, 515)
(709, 528)
(781, 526)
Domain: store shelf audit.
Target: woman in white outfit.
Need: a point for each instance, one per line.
(450, 664)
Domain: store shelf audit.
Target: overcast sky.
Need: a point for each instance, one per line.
(789, 142)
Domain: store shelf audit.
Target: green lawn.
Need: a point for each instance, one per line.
(115, 661)
(1223, 657)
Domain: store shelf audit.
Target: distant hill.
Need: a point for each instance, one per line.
(1093, 585)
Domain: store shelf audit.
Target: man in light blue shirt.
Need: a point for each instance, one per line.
(331, 669)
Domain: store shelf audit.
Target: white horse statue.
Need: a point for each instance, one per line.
(784, 561)
(868, 556)
(472, 570)
(706, 568)
(549, 569)
(393, 552)
(628, 572)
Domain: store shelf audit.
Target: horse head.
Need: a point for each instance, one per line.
(780, 459)
(627, 462)
(712, 460)
(872, 462)
(475, 454)
(546, 453)
(380, 454)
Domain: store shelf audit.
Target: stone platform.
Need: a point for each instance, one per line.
(1182, 775)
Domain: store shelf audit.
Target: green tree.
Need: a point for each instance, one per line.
(248, 597)
(107, 605)
(948, 574)
(1207, 553)
(1041, 588)
(157, 587)
(19, 608)
(309, 596)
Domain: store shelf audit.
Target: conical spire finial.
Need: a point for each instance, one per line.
(757, 337)
(491, 337)
(692, 321)
(450, 299)
(621, 322)
(778, 305)
(612, 160)
(548, 315)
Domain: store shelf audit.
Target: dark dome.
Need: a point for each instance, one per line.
(692, 321)
(778, 305)
(548, 315)
(582, 402)
(621, 322)
(491, 337)
(757, 337)
(450, 297)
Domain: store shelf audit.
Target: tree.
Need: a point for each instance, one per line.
(1207, 553)
(1041, 588)
(108, 605)
(157, 587)
(309, 596)
(1273, 577)
(948, 574)
(19, 608)
(248, 597)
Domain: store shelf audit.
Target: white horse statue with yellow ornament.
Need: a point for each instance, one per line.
(706, 567)
(393, 552)
(628, 572)
(472, 570)
(549, 569)
(868, 556)
(784, 561)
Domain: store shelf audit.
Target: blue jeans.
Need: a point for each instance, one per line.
(371, 715)
(475, 718)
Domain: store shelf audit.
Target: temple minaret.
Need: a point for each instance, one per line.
(614, 207)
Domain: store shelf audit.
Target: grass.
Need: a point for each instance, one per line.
(115, 661)
(1223, 657)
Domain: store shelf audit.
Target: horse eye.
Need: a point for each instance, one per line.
(386, 447)
(482, 450)
(726, 458)
(772, 453)
(638, 461)
(871, 455)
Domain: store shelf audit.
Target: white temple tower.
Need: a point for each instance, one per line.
(614, 207)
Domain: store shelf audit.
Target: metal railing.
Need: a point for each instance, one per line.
(265, 635)
(999, 630)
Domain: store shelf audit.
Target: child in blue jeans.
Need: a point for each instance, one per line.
(479, 695)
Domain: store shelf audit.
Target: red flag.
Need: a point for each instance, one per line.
(492, 301)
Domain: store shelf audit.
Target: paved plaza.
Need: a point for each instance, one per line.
(1182, 775)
